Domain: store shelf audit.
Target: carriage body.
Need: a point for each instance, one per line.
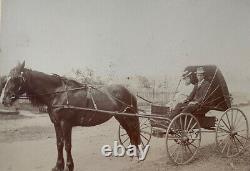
(184, 130)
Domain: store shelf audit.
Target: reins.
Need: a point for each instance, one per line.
(89, 87)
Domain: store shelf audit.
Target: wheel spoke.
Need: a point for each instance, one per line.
(224, 130)
(236, 145)
(125, 140)
(225, 124)
(145, 127)
(190, 121)
(193, 145)
(174, 151)
(228, 149)
(242, 130)
(224, 147)
(182, 153)
(223, 140)
(142, 143)
(192, 127)
(194, 138)
(189, 149)
(239, 142)
(222, 135)
(181, 123)
(232, 118)
(185, 148)
(123, 134)
(143, 122)
(238, 121)
(185, 122)
(177, 155)
(241, 136)
(235, 119)
(228, 120)
(144, 137)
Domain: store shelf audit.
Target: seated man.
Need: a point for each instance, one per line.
(196, 97)
(184, 91)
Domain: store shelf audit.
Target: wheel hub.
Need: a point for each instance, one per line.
(233, 133)
(184, 139)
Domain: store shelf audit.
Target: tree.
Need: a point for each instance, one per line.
(87, 75)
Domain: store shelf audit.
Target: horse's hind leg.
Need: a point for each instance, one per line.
(132, 127)
(59, 138)
(67, 131)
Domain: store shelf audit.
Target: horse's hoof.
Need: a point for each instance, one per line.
(57, 169)
(68, 169)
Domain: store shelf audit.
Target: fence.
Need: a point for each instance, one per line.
(156, 96)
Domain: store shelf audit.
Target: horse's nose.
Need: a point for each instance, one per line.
(3, 101)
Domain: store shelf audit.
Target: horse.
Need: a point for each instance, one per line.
(54, 91)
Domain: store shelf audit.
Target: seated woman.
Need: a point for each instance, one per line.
(183, 92)
(194, 100)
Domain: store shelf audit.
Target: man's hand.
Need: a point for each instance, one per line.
(192, 102)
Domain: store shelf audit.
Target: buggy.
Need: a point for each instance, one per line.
(183, 132)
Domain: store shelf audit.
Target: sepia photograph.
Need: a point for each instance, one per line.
(141, 85)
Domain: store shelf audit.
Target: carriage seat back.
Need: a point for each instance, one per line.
(207, 122)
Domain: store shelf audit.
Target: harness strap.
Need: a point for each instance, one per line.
(90, 95)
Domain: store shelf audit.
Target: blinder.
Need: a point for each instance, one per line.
(20, 82)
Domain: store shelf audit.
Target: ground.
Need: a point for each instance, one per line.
(27, 143)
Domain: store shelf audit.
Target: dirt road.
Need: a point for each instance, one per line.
(27, 143)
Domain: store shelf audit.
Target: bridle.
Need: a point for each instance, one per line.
(22, 83)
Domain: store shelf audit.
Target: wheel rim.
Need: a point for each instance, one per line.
(232, 132)
(183, 138)
(145, 133)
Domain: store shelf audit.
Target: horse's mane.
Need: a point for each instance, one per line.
(53, 79)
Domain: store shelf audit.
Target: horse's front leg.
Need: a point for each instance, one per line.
(59, 142)
(67, 131)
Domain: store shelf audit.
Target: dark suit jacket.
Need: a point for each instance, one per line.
(198, 93)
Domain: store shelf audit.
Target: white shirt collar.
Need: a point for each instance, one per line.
(199, 83)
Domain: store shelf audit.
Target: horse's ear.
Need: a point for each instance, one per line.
(22, 66)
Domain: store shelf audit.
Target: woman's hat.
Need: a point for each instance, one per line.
(186, 74)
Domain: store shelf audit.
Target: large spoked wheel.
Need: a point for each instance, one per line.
(183, 138)
(145, 133)
(232, 132)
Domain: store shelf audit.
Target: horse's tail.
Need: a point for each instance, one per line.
(134, 104)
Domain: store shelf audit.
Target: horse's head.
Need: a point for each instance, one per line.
(14, 86)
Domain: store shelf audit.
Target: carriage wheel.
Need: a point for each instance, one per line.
(145, 133)
(183, 138)
(232, 132)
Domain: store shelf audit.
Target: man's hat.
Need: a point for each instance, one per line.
(186, 74)
(200, 70)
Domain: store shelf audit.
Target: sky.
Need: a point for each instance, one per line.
(146, 37)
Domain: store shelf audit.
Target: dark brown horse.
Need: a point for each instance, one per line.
(41, 89)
